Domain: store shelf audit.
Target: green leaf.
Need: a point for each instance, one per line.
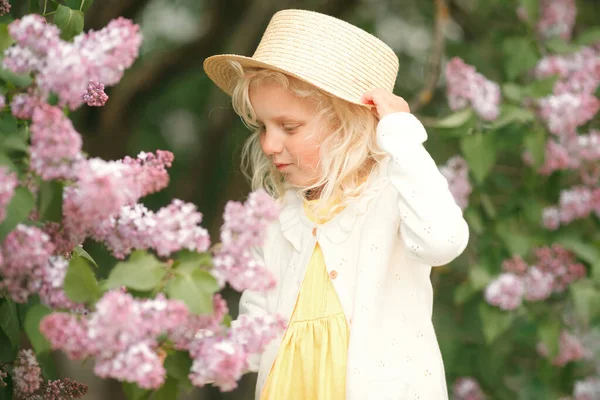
(520, 55)
(8, 124)
(532, 8)
(510, 114)
(18, 80)
(535, 143)
(463, 292)
(479, 277)
(48, 366)
(133, 392)
(512, 236)
(548, 334)
(178, 365)
(50, 200)
(69, 21)
(455, 120)
(513, 92)
(84, 254)
(82, 5)
(17, 211)
(142, 271)
(34, 6)
(9, 321)
(586, 299)
(5, 39)
(479, 151)
(541, 87)
(8, 351)
(560, 46)
(494, 321)
(32, 328)
(474, 220)
(227, 320)
(168, 390)
(193, 286)
(80, 282)
(589, 37)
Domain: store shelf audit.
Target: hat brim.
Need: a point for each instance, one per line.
(220, 71)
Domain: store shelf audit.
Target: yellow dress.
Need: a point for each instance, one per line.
(311, 362)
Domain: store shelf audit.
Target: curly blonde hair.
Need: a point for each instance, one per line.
(348, 154)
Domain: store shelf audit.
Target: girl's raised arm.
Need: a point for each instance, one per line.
(432, 226)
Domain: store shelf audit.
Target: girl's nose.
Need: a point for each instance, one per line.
(271, 144)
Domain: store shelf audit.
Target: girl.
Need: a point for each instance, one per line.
(365, 214)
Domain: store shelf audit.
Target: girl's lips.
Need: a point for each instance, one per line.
(281, 166)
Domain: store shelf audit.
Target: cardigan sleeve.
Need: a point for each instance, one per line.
(253, 303)
(431, 223)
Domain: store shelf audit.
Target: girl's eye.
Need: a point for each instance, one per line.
(290, 128)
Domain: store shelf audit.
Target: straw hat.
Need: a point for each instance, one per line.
(331, 54)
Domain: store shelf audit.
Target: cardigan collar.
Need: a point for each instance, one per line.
(297, 228)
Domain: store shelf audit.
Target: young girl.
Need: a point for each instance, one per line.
(365, 214)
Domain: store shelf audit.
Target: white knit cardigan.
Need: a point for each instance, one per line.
(382, 247)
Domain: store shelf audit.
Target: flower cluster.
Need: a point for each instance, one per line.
(4, 7)
(578, 202)
(467, 87)
(554, 269)
(68, 68)
(456, 171)
(123, 334)
(55, 144)
(8, 183)
(570, 349)
(467, 388)
(27, 374)
(221, 359)
(557, 18)
(242, 231)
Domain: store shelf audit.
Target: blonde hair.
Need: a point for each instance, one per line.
(348, 154)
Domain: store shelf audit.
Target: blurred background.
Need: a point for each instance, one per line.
(165, 101)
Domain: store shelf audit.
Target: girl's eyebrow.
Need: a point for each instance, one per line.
(283, 118)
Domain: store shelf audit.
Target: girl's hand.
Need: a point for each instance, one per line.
(385, 102)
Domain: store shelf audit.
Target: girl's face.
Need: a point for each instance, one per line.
(290, 134)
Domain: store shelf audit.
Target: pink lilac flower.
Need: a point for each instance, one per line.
(561, 263)
(506, 291)
(539, 285)
(32, 31)
(576, 203)
(557, 18)
(515, 265)
(244, 229)
(565, 112)
(27, 374)
(55, 144)
(467, 388)
(68, 333)
(587, 389)
(151, 170)
(51, 290)
(8, 183)
(564, 66)
(22, 105)
(466, 86)
(218, 360)
(138, 363)
(110, 50)
(185, 334)
(222, 359)
(21, 60)
(25, 252)
(133, 228)
(121, 334)
(4, 7)
(95, 96)
(179, 229)
(64, 389)
(570, 349)
(456, 171)
(65, 73)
